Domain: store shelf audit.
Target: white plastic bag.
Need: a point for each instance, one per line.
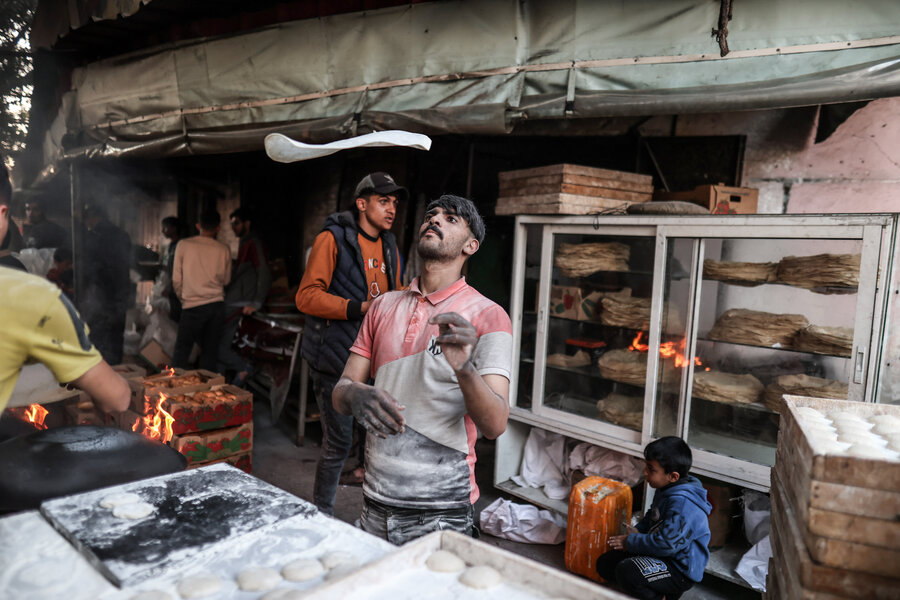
(757, 513)
(523, 523)
(754, 565)
(544, 464)
(603, 462)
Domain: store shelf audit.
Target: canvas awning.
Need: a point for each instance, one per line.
(476, 68)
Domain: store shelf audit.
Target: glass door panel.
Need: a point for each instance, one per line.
(598, 314)
(775, 316)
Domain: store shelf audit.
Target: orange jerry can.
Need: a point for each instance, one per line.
(598, 508)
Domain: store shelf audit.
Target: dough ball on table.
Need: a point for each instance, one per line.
(153, 595)
(862, 439)
(302, 569)
(332, 560)
(847, 417)
(853, 426)
(809, 412)
(863, 451)
(341, 571)
(258, 579)
(199, 586)
(284, 594)
(480, 578)
(445, 562)
(114, 500)
(886, 428)
(135, 510)
(830, 447)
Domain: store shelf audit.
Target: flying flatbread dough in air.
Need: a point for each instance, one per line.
(281, 148)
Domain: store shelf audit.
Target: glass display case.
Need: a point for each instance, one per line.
(630, 328)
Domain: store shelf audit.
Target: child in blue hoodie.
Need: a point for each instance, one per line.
(667, 552)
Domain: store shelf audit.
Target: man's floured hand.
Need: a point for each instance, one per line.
(376, 410)
(457, 338)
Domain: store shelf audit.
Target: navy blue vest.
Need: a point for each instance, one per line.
(326, 343)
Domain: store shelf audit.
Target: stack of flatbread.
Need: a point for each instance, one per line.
(739, 273)
(755, 328)
(581, 260)
(622, 311)
(579, 359)
(627, 366)
(825, 340)
(821, 272)
(803, 385)
(619, 409)
(730, 388)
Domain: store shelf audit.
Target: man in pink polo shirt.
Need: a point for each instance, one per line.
(440, 354)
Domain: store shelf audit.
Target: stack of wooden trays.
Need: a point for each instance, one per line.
(570, 190)
(835, 517)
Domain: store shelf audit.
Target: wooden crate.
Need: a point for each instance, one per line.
(794, 573)
(193, 416)
(718, 199)
(213, 445)
(846, 508)
(130, 371)
(570, 189)
(151, 385)
(243, 461)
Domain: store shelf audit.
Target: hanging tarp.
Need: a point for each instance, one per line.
(478, 68)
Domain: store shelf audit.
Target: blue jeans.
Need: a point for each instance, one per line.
(400, 525)
(337, 439)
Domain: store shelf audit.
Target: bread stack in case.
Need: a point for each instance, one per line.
(836, 501)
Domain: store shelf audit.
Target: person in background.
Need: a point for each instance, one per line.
(201, 270)
(10, 240)
(62, 273)
(40, 324)
(40, 232)
(353, 261)
(441, 355)
(666, 553)
(109, 292)
(171, 230)
(250, 283)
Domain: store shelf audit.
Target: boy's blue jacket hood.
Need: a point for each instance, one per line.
(676, 527)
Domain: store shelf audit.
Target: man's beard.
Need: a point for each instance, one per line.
(439, 252)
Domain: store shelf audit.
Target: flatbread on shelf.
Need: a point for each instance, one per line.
(803, 385)
(825, 340)
(619, 409)
(740, 273)
(581, 260)
(756, 328)
(822, 273)
(730, 388)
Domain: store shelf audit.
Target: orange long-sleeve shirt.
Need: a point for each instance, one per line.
(313, 297)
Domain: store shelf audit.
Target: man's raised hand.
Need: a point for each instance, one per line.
(376, 410)
(457, 338)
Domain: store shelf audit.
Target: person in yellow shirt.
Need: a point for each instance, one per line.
(40, 325)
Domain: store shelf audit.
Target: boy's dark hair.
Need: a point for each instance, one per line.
(209, 220)
(464, 208)
(672, 453)
(62, 253)
(171, 222)
(243, 213)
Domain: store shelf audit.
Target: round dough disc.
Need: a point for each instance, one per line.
(114, 500)
(285, 594)
(337, 558)
(340, 571)
(480, 577)
(199, 586)
(445, 562)
(302, 569)
(258, 579)
(135, 510)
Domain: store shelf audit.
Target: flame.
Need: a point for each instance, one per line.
(169, 371)
(35, 415)
(158, 424)
(666, 350)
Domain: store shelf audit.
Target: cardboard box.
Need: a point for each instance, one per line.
(718, 199)
(214, 445)
(130, 371)
(242, 461)
(193, 412)
(154, 355)
(170, 382)
(573, 303)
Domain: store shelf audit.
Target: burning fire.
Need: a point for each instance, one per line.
(35, 415)
(170, 371)
(158, 424)
(666, 350)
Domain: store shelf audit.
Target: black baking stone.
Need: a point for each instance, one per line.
(196, 512)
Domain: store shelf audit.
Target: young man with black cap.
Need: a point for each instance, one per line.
(353, 261)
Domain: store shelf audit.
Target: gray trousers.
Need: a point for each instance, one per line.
(400, 525)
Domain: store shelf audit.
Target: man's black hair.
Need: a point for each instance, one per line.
(210, 219)
(62, 253)
(5, 185)
(94, 210)
(672, 453)
(464, 208)
(243, 213)
(171, 222)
